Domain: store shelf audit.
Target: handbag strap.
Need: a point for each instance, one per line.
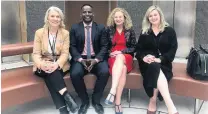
(192, 51)
(204, 50)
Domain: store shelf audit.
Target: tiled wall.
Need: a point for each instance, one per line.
(35, 12)
(136, 10)
(201, 26)
(198, 34)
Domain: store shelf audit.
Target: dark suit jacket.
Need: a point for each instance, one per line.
(77, 41)
(129, 36)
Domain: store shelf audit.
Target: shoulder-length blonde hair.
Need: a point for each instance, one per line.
(53, 8)
(146, 24)
(127, 18)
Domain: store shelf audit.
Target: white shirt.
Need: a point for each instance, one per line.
(51, 39)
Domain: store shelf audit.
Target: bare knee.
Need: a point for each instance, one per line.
(120, 57)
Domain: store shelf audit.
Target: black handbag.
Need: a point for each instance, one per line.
(40, 73)
(197, 65)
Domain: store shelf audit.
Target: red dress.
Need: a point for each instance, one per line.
(120, 41)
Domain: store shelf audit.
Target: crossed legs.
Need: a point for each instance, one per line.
(119, 71)
(162, 86)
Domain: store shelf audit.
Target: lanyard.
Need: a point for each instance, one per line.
(52, 46)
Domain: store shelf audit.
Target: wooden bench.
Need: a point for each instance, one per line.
(20, 86)
(16, 49)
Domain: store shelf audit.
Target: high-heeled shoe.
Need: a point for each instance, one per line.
(107, 101)
(176, 113)
(119, 111)
(151, 112)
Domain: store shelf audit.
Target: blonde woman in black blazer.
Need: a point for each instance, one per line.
(155, 51)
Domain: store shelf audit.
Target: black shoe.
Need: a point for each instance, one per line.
(98, 108)
(83, 108)
(64, 110)
(70, 102)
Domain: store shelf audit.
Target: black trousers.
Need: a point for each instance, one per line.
(55, 82)
(77, 73)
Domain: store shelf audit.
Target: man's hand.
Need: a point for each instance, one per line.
(84, 63)
(92, 63)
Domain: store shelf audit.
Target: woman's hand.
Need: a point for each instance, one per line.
(53, 66)
(49, 66)
(113, 54)
(45, 66)
(157, 60)
(149, 59)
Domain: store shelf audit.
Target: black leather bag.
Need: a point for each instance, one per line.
(197, 65)
(41, 73)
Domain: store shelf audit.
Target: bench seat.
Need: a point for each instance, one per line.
(19, 85)
(16, 49)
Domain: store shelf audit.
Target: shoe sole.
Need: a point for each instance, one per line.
(108, 103)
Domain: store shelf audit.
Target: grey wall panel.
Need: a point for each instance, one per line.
(35, 12)
(136, 10)
(10, 22)
(201, 27)
(184, 24)
(167, 8)
(10, 27)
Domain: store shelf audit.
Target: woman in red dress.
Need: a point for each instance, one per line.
(122, 45)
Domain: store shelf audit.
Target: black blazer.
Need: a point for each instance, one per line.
(130, 39)
(77, 41)
(167, 47)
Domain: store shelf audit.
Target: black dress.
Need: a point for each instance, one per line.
(162, 46)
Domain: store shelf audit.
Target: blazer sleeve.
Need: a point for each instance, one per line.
(64, 51)
(73, 45)
(140, 52)
(132, 44)
(170, 55)
(36, 55)
(103, 43)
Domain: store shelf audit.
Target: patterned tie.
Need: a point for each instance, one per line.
(88, 43)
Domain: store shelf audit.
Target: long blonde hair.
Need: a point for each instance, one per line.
(127, 18)
(146, 24)
(53, 8)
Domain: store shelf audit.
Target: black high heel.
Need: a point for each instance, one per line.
(118, 109)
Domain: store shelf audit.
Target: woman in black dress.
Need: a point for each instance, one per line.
(155, 52)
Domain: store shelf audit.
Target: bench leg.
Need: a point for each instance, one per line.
(198, 105)
(129, 96)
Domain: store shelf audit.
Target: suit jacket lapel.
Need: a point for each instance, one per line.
(93, 32)
(127, 34)
(112, 32)
(82, 32)
(45, 40)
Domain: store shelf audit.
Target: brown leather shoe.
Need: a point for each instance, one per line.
(151, 112)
